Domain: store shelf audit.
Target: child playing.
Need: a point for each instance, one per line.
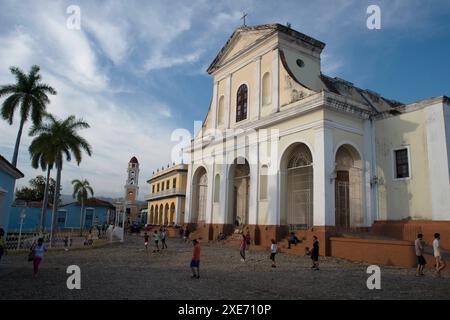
(273, 252)
(146, 241)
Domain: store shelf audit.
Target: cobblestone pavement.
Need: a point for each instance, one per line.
(126, 271)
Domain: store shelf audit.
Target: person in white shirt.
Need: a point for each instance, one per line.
(440, 263)
(273, 252)
(39, 250)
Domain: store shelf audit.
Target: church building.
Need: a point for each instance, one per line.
(285, 148)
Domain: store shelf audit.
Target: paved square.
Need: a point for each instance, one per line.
(126, 271)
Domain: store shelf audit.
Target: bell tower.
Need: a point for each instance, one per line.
(132, 184)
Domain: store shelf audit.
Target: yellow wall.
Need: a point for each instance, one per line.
(399, 199)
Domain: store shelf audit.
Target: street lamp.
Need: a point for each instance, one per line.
(22, 218)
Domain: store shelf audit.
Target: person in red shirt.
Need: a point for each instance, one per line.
(195, 262)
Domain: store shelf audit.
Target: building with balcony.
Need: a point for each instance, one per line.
(166, 200)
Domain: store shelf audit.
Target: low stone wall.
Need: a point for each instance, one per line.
(408, 230)
(384, 252)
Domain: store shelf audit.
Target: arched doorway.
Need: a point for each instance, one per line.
(161, 214)
(199, 195)
(172, 214)
(239, 179)
(348, 188)
(166, 215)
(297, 187)
(151, 220)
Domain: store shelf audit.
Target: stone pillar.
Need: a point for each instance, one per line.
(224, 193)
(254, 183)
(369, 168)
(210, 193)
(324, 177)
(275, 81)
(273, 182)
(257, 91)
(227, 102)
(178, 211)
(214, 105)
(188, 202)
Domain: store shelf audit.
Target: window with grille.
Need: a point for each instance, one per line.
(401, 163)
(174, 183)
(157, 188)
(242, 103)
(167, 185)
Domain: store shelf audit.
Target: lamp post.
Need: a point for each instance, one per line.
(22, 218)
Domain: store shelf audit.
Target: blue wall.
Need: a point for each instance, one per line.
(7, 183)
(68, 217)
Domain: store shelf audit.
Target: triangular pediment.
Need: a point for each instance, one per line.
(242, 39)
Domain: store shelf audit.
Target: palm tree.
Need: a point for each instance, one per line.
(81, 191)
(30, 94)
(42, 155)
(64, 142)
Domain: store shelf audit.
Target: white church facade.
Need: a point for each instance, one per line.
(286, 148)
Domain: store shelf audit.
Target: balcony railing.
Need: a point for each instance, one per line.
(166, 193)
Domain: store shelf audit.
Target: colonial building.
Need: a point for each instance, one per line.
(8, 176)
(285, 147)
(166, 202)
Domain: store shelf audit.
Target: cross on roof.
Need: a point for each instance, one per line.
(244, 15)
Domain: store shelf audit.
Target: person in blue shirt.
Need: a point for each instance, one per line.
(292, 240)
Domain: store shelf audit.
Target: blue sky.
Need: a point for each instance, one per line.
(137, 69)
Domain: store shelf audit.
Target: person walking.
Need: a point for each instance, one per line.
(440, 263)
(2, 243)
(315, 254)
(419, 245)
(273, 252)
(156, 240)
(181, 232)
(186, 234)
(38, 250)
(146, 241)
(163, 239)
(243, 246)
(195, 262)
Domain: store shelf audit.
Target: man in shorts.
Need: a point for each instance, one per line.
(195, 262)
(419, 245)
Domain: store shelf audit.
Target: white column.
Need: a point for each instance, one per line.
(367, 175)
(214, 105)
(188, 202)
(273, 182)
(257, 91)
(227, 102)
(254, 184)
(275, 81)
(324, 210)
(178, 211)
(224, 193)
(210, 193)
(438, 170)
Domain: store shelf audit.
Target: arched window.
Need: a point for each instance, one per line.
(221, 111)
(217, 188)
(241, 103)
(263, 183)
(266, 89)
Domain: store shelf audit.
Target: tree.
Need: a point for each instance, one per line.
(30, 94)
(64, 142)
(35, 190)
(42, 155)
(81, 191)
